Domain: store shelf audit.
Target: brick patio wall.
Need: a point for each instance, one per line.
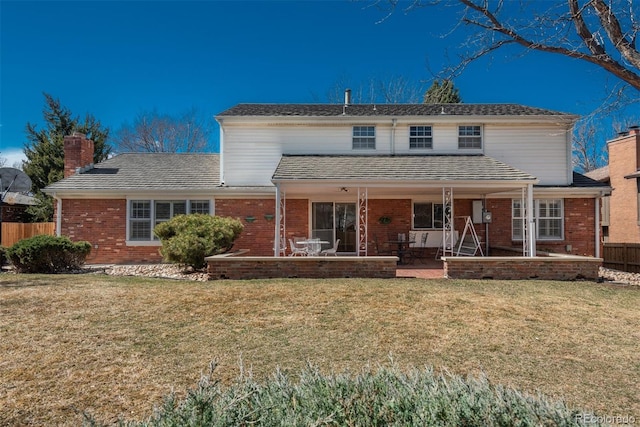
(248, 267)
(519, 268)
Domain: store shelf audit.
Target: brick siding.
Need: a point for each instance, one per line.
(103, 224)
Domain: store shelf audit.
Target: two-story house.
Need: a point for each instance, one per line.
(354, 172)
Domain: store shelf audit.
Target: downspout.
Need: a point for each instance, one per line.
(569, 140)
(58, 216)
(394, 122)
(219, 120)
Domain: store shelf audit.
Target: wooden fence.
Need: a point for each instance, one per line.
(12, 232)
(622, 256)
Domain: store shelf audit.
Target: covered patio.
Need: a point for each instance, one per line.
(348, 197)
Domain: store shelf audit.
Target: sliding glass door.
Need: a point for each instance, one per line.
(332, 221)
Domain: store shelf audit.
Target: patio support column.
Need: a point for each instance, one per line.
(363, 216)
(597, 226)
(531, 225)
(447, 222)
(280, 230)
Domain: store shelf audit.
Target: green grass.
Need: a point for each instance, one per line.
(116, 346)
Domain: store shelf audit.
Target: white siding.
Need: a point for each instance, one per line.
(251, 154)
(252, 151)
(540, 151)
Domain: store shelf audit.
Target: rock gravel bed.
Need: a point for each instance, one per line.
(171, 271)
(620, 277)
(165, 271)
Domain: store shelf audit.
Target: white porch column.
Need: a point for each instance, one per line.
(531, 225)
(448, 226)
(363, 219)
(597, 214)
(279, 232)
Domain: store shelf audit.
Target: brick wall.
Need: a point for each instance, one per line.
(103, 224)
(623, 161)
(239, 268)
(579, 227)
(519, 268)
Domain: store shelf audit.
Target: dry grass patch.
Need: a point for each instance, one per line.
(116, 346)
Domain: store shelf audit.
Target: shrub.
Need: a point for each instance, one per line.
(48, 254)
(188, 239)
(3, 255)
(386, 397)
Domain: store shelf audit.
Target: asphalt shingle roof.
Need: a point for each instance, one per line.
(329, 110)
(148, 171)
(397, 168)
(580, 180)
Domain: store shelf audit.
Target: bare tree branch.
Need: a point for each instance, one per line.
(160, 133)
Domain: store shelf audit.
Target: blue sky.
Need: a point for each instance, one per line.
(115, 59)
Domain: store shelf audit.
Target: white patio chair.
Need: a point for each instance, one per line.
(332, 251)
(296, 250)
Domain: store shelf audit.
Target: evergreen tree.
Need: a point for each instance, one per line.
(442, 93)
(45, 150)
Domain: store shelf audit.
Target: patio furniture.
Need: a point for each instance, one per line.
(311, 246)
(420, 252)
(297, 250)
(332, 251)
(381, 249)
(404, 250)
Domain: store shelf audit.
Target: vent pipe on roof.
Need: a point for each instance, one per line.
(347, 97)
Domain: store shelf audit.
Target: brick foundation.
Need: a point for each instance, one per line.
(240, 268)
(519, 268)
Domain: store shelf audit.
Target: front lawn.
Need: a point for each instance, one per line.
(116, 346)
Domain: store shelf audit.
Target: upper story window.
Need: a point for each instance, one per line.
(470, 136)
(144, 215)
(364, 137)
(420, 137)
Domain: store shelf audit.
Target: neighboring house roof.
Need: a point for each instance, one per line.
(13, 198)
(397, 168)
(600, 174)
(584, 181)
(147, 171)
(328, 110)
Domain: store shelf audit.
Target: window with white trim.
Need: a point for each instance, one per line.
(548, 215)
(144, 215)
(364, 137)
(420, 137)
(427, 215)
(469, 136)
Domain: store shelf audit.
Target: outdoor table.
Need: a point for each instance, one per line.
(313, 246)
(403, 248)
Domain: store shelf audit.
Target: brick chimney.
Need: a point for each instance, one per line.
(78, 153)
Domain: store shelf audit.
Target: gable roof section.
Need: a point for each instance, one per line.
(147, 171)
(584, 181)
(396, 168)
(334, 110)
